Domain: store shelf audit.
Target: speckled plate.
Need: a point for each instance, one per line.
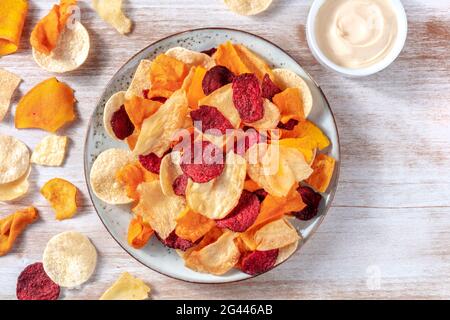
(117, 218)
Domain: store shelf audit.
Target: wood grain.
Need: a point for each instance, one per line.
(386, 235)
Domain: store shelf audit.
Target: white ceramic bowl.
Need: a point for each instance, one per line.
(117, 218)
(402, 24)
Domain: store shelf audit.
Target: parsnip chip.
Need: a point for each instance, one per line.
(248, 7)
(158, 131)
(70, 52)
(169, 171)
(141, 80)
(271, 117)
(255, 63)
(191, 58)
(275, 235)
(69, 259)
(111, 12)
(286, 252)
(14, 159)
(127, 287)
(51, 151)
(222, 99)
(217, 258)
(218, 197)
(62, 196)
(16, 189)
(157, 209)
(323, 167)
(286, 78)
(115, 102)
(276, 168)
(8, 84)
(103, 176)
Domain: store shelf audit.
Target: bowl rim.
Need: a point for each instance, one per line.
(335, 177)
(402, 25)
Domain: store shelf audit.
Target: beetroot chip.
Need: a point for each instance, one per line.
(34, 284)
(312, 200)
(180, 184)
(247, 97)
(203, 163)
(211, 118)
(151, 162)
(290, 125)
(175, 242)
(210, 52)
(215, 78)
(244, 215)
(250, 138)
(261, 194)
(258, 262)
(268, 88)
(121, 124)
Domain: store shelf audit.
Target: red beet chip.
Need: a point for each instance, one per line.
(244, 215)
(151, 162)
(250, 138)
(211, 118)
(261, 194)
(34, 284)
(258, 262)
(247, 97)
(312, 200)
(180, 184)
(268, 88)
(290, 125)
(121, 124)
(203, 163)
(175, 242)
(216, 78)
(210, 52)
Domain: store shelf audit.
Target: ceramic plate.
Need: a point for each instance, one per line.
(116, 219)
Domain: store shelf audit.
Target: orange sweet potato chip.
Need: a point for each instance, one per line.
(12, 19)
(45, 34)
(132, 140)
(131, 176)
(253, 62)
(139, 109)
(192, 226)
(139, 233)
(12, 226)
(48, 106)
(323, 167)
(62, 196)
(195, 88)
(309, 131)
(227, 56)
(251, 185)
(167, 73)
(290, 104)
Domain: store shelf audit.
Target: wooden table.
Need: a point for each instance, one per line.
(388, 232)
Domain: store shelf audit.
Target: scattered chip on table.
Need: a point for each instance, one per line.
(62, 196)
(69, 259)
(127, 287)
(8, 85)
(51, 151)
(111, 12)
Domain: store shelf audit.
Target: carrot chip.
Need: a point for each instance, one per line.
(48, 106)
(62, 196)
(323, 167)
(12, 20)
(13, 225)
